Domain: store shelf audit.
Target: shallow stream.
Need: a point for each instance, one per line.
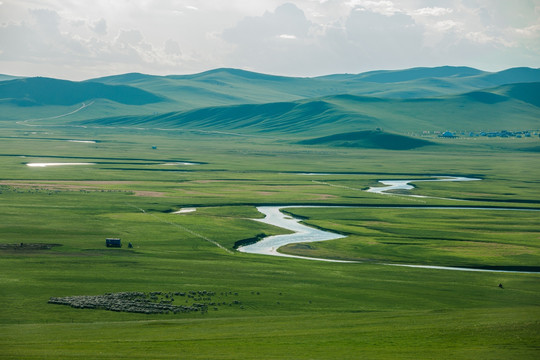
(302, 233)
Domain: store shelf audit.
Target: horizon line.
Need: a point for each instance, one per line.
(266, 74)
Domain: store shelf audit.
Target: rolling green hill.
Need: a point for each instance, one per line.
(472, 111)
(221, 87)
(526, 92)
(369, 139)
(512, 76)
(4, 77)
(243, 102)
(395, 76)
(233, 86)
(45, 91)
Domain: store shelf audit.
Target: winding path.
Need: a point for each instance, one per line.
(26, 122)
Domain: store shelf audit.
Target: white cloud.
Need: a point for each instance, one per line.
(432, 11)
(384, 7)
(295, 37)
(287, 36)
(364, 39)
(40, 40)
(46, 20)
(445, 25)
(172, 47)
(487, 39)
(532, 31)
(480, 37)
(129, 37)
(100, 27)
(254, 31)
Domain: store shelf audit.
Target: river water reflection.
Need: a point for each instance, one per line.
(406, 185)
(301, 234)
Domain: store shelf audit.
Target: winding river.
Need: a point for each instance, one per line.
(302, 233)
(406, 185)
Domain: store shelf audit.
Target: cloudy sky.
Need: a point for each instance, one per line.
(81, 39)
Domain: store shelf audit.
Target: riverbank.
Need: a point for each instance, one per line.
(304, 234)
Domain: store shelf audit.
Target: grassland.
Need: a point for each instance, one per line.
(226, 141)
(291, 308)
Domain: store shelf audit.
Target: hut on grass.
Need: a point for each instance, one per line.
(113, 242)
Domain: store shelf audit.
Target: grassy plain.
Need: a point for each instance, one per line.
(291, 308)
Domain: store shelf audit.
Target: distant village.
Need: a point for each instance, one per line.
(490, 134)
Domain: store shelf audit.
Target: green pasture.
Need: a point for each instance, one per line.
(454, 237)
(290, 308)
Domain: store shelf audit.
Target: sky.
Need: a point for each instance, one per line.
(81, 39)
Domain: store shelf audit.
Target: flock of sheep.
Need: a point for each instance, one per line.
(156, 302)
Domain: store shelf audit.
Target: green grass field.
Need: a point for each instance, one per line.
(289, 308)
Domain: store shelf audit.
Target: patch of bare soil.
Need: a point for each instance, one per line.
(110, 182)
(46, 186)
(63, 185)
(27, 246)
(149, 193)
(322, 196)
(207, 181)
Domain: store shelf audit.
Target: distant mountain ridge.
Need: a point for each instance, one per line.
(244, 102)
(226, 86)
(393, 76)
(4, 77)
(511, 75)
